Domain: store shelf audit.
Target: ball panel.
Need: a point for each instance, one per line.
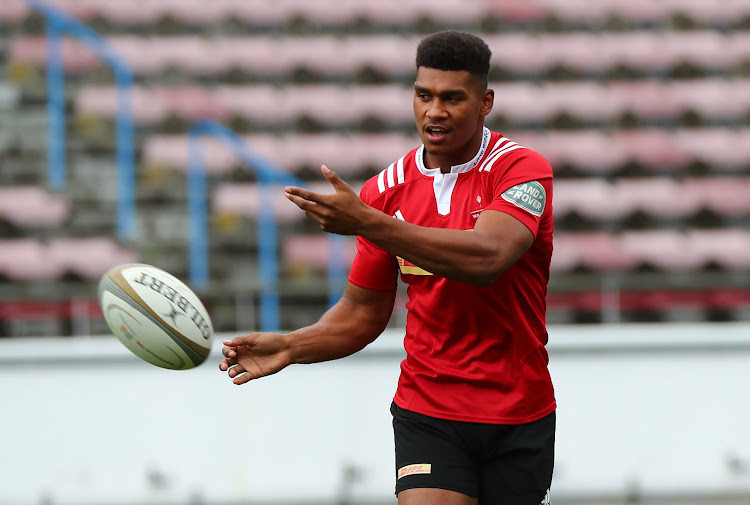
(169, 301)
(141, 335)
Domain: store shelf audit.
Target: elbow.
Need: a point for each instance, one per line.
(486, 270)
(485, 274)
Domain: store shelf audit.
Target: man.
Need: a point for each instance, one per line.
(467, 220)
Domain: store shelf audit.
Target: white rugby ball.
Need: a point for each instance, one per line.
(155, 315)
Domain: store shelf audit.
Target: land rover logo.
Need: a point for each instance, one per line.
(530, 196)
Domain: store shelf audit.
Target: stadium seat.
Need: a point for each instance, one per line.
(88, 258)
(595, 251)
(728, 248)
(590, 197)
(14, 11)
(27, 260)
(723, 147)
(660, 197)
(660, 249)
(33, 207)
(244, 199)
(726, 196)
(313, 251)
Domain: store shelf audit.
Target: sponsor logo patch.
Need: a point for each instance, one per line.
(422, 468)
(530, 196)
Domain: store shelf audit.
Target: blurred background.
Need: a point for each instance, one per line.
(157, 131)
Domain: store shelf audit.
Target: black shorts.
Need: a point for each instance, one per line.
(498, 463)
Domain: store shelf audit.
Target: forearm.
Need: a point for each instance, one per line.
(463, 255)
(344, 329)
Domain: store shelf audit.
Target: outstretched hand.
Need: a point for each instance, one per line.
(342, 212)
(253, 356)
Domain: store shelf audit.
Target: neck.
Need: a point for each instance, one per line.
(448, 160)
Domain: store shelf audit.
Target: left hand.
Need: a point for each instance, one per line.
(342, 212)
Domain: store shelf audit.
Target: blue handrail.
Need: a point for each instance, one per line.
(268, 174)
(60, 23)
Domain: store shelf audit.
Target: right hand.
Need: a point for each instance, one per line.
(253, 356)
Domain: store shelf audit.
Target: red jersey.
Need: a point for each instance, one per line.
(474, 353)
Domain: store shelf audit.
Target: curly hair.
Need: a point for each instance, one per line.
(454, 51)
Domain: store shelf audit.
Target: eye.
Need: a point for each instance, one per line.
(423, 96)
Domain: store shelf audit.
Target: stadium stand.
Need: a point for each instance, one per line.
(641, 107)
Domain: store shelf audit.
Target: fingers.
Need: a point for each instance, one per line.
(332, 177)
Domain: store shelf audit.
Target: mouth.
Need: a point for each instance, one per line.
(436, 133)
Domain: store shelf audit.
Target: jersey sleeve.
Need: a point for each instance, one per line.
(373, 267)
(522, 187)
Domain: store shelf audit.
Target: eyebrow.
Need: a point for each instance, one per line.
(457, 91)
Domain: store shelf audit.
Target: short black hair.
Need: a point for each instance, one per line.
(452, 50)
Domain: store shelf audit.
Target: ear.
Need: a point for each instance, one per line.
(488, 100)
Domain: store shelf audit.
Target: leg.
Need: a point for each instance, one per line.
(433, 466)
(426, 496)
(521, 473)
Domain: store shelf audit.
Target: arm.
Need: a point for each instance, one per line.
(353, 322)
(497, 241)
(479, 257)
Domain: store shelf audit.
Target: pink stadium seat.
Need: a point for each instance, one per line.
(725, 247)
(516, 10)
(391, 103)
(313, 251)
(713, 98)
(390, 12)
(260, 12)
(652, 147)
(715, 146)
(452, 12)
(130, 12)
(588, 150)
(192, 12)
(593, 198)
(657, 196)
(88, 257)
(343, 153)
(14, 11)
(262, 55)
(706, 49)
(522, 102)
(261, 103)
(172, 151)
(521, 53)
(593, 250)
(385, 53)
(244, 199)
(27, 259)
(661, 249)
(645, 99)
(32, 206)
(726, 196)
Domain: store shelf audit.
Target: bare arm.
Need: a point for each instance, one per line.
(353, 322)
(478, 257)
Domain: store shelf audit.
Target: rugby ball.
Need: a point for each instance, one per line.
(155, 315)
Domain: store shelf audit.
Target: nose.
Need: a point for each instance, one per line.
(435, 110)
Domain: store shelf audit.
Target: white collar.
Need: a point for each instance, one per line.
(455, 169)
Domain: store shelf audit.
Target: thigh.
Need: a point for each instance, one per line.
(426, 496)
(431, 458)
(520, 473)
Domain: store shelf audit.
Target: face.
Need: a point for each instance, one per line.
(449, 108)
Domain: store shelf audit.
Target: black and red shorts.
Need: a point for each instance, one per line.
(498, 463)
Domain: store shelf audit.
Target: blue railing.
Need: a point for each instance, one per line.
(268, 175)
(60, 23)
